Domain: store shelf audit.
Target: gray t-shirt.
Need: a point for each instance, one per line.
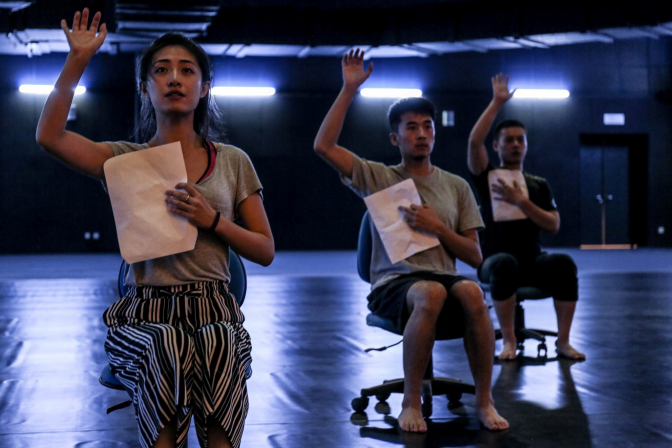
(448, 194)
(232, 180)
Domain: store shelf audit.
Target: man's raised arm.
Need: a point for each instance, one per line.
(326, 141)
(477, 158)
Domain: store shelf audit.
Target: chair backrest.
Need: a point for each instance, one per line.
(364, 248)
(237, 284)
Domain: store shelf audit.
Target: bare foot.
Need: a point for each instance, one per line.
(566, 350)
(491, 419)
(411, 420)
(509, 351)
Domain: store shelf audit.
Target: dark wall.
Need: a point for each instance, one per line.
(47, 208)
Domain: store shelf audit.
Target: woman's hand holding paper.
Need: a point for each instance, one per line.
(188, 202)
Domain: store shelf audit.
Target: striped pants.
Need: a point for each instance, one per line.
(181, 351)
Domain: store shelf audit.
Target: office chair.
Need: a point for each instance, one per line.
(431, 385)
(237, 286)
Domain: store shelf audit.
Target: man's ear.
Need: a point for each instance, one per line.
(143, 89)
(495, 145)
(394, 138)
(205, 88)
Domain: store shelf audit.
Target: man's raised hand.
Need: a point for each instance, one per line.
(500, 89)
(82, 41)
(353, 69)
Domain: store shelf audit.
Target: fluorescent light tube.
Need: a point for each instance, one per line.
(542, 94)
(43, 89)
(243, 91)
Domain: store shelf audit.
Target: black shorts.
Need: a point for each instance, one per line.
(389, 302)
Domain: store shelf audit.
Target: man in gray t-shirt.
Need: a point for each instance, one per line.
(423, 292)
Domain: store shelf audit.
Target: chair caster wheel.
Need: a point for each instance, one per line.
(542, 348)
(427, 409)
(382, 397)
(359, 404)
(454, 397)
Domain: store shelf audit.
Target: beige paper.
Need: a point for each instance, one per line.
(502, 210)
(399, 239)
(137, 184)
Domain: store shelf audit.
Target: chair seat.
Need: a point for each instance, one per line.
(386, 324)
(525, 292)
(532, 293)
(107, 379)
(442, 334)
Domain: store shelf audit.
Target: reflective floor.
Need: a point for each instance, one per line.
(309, 335)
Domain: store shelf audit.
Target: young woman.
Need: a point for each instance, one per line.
(176, 339)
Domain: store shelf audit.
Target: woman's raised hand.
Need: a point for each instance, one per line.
(353, 69)
(84, 42)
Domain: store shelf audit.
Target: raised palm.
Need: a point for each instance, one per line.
(353, 69)
(84, 41)
(500, 88)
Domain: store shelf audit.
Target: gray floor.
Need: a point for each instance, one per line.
(306, 316)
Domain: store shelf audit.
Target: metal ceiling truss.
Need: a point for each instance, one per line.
(414, 30)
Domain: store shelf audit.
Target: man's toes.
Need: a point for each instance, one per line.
(501, 424)
(569, 352)
(507, 355)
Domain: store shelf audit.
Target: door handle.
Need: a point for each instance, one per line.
(599, 199)
(610, 198)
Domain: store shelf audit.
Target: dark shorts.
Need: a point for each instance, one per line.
(389, 301)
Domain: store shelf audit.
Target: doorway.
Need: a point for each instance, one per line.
(613, 191)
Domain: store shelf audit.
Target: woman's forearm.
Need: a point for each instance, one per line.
(55, 113)
(255, 246)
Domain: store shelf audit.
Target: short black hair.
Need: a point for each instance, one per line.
(508, 124)
(415, 104)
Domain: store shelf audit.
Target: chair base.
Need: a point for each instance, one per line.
(530, 333)
(523, 333)
(451, 388)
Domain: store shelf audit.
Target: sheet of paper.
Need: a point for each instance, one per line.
(137, 183)
(399, 239)
(501, 210)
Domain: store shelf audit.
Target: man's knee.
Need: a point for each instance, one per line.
(470, 296)
(498, 267)
(563, 265)
(501, 271)
(560, 274)
(427, 296)
(503, 264)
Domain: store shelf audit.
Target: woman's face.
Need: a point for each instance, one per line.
(174, 81)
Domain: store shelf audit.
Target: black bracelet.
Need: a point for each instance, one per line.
(214, 223)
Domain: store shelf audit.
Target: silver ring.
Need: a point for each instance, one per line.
(187, 198)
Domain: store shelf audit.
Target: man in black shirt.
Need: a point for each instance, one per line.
(511, 250)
